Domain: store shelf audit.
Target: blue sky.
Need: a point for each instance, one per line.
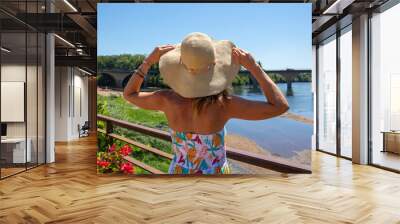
(278, 35)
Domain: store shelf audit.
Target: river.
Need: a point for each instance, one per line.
(280, 136)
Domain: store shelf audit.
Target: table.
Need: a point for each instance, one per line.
(13, 150)
(391, 141)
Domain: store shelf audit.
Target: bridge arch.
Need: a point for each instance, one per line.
(105, 80)
(126, 80)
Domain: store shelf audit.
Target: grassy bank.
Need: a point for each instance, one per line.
(115, 106)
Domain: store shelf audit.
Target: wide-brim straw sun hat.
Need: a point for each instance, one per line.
(199, 66)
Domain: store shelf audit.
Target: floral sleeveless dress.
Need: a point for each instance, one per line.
(199, 153)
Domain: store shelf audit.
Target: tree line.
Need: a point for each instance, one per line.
(131, 62)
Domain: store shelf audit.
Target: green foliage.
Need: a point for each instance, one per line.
(128, 62)
(117, 107)
(101, 142)
(303, 77)
(242, 79)
(122, 61)
(155, 80)
(277, 78)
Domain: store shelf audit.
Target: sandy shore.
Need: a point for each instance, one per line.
(297, 117)
(108, 92)
(246, 144)
(239, 142)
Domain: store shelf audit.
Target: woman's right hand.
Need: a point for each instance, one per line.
(154, 56)
(242, 108)
(244, 58)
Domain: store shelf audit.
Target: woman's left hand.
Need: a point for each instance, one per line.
(243, 58)
(154, 56)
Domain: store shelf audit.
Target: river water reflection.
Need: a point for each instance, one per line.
(280, 136)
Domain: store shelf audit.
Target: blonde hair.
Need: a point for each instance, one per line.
(199, 103)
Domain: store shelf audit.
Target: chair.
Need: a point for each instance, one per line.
(84, 130)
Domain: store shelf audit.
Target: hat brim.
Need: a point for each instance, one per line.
(214, 81)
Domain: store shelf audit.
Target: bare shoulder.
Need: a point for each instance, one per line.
(168, 95)
(239, 107)
(162, 93)
(234, 100)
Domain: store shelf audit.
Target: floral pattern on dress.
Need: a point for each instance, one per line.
(199, 153)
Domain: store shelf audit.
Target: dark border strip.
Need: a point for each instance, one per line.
(386, 5)
(0, 93)
(316, 96)
(37, 91)
(25, 89)
(369, 90)
(338, 109)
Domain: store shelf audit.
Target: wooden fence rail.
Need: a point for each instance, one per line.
(264, 161)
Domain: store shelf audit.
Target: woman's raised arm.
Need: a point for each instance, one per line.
(146, 100)
(256, 110)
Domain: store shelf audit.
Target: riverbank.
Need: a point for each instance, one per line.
(288, 115)
(245, 144)
(112, 104)
(298, 118)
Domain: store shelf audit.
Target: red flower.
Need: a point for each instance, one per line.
(111, 148)
(103, 163)
(127, 167)
(125, 150)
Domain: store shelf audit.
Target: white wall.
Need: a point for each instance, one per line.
(61, 103)
(33, 126)
(14, 72)
(71, 94)
(17, 72)
(81, 81)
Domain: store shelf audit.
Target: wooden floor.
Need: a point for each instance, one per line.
(387, 159)
(70, 191)
(10, 171)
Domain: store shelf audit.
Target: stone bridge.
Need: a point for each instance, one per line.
(119, 77)
(289, 75)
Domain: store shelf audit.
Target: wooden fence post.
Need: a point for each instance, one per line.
(109, 130)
